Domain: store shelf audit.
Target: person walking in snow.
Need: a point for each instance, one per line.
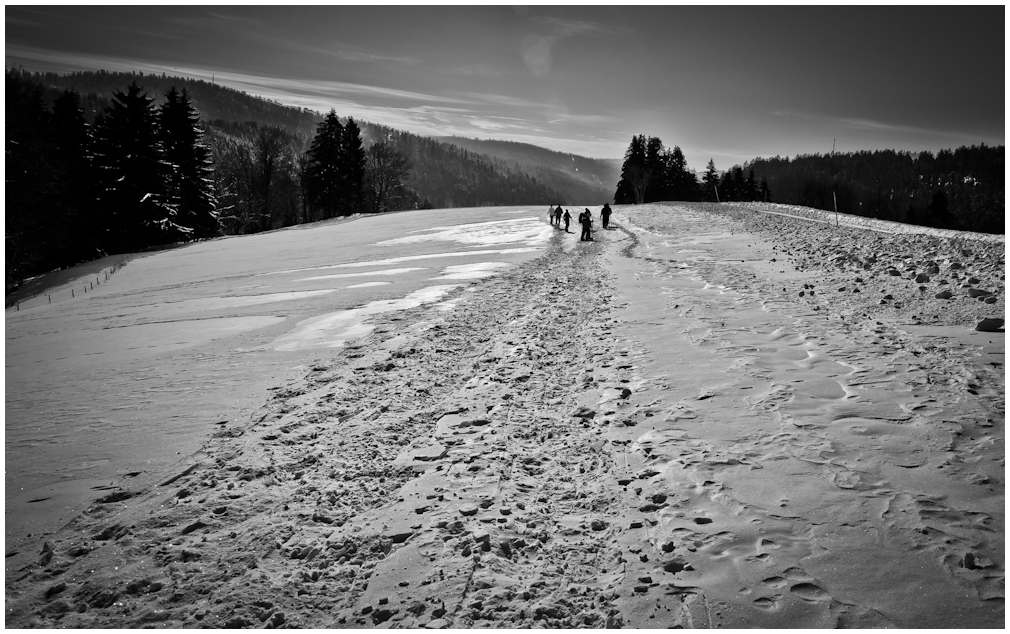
(587, 225)
(605, 215)
(550, 214)
(568, 219)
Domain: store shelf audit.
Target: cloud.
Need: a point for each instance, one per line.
(866, 125)
(468, 114)
(567, 28)
(352, 55)
(480, 70)
(879, 126)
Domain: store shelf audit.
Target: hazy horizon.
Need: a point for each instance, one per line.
(723, 83)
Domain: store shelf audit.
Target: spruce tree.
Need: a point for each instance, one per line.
(751, 190)
(190, 184)
(682, 183)
(352, 168)
(658, 184)
(72, 145)
(132, 174)
(711, 182)
(324, 186)
(30, 180)
(634, 176)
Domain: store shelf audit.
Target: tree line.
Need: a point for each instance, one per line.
(960, 189)
(136, 177)
(93, 174)
(653, 173)
(445, 175)
(142, 175)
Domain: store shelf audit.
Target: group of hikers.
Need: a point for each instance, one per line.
(557, 214)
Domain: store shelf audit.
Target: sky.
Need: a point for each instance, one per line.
(724, 83)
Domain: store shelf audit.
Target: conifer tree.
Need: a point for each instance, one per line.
(324, 186)
(190, 184)
(682, 184)
(352, 168)
(634, 175)
(29, 180)
(752, 192)
(132, 174)
(72, 147)
(711, 182)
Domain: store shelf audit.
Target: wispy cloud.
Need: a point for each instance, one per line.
(879, 126)
(13, 20)
(351, 54)
(866, 125)
(480, 70)
(565, 28)
(468, 114)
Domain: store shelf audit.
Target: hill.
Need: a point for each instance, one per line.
(580, 180)
(213, 101)
(487, 173)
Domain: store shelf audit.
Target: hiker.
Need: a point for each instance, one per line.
(568, 218)
(586, 218)
(550, 214)
(605, 215)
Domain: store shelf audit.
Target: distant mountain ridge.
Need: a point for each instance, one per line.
(570, 174)
(522, 168)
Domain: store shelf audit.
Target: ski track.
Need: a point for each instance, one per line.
(630, 432)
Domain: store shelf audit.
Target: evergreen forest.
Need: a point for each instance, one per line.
(99, 163)
(961, 189)
(91, 174)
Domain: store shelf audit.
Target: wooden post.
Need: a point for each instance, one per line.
(716, 187)
(835, 198)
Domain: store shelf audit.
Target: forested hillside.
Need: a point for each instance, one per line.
(449, 176)
(102, 163)
(961, 189)
(213, 101)
(580, 180)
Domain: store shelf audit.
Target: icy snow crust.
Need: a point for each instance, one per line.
(135, 372)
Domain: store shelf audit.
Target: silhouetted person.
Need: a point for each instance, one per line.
(568, 218)
(605, 215)
(550, 214)
(586, 218)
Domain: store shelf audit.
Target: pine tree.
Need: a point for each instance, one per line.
(72, 146)
(30, 180)
(634, 175)
(324, 186)
(132, 174)
(682, 183)
(711, 182)
(751, 191)
(190, 190)
(352, 168)
(658, 182)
